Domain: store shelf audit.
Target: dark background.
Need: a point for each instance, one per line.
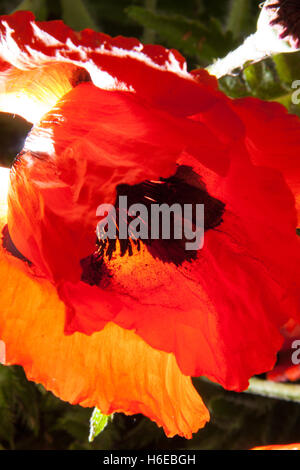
(30, 417)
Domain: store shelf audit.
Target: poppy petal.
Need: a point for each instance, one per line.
(236, 293)
(285, 370)
(268, 284)
(114, 138)
(273, 138)
(114, 369)
(228, 299)
(31, 93)
(156, 74)
(211, 331)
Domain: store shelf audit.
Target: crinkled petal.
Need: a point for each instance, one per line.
(32, 93)
(114, 369)
(223, 321)
(230, 303)
(156, 74)
(73, 161)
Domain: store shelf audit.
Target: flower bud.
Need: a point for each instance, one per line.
(278, 27)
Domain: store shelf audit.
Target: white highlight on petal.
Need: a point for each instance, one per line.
(79, 49)
(33, 95)
(174, 66)
(40, 141)
(9, 50)
(45, 37)
(26, 106)
(100, 78)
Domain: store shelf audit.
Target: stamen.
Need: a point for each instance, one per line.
(185, 187)
(287, 16)
(94, 270)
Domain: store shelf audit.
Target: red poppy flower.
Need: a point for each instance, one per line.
(113, 369)
(115, 117)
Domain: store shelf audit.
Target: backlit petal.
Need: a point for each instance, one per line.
(156, 74)
(273, 138)
(114, 369)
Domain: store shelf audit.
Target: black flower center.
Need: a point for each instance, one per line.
(182, 189)
(288, 16)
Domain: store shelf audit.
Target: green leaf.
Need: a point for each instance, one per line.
(205, 42)
(38, 7)
(263, 82)
(98, 423)
(260, 80)
(238, 18)
(149, 34)
(76, 15)
(287, 67)
(270, 79)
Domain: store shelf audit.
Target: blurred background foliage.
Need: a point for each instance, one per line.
(202, 30)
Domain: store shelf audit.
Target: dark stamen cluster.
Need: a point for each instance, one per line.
(288, 16)
(185, 187)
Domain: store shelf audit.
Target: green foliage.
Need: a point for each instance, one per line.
(32, 418)
(238, 15)
(242, 421)
(270, 79)
(38, 7)
(76, 15)
(204, 41)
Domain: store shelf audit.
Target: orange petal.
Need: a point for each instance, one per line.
(114, 369)
(279, 447)
(32, 93)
